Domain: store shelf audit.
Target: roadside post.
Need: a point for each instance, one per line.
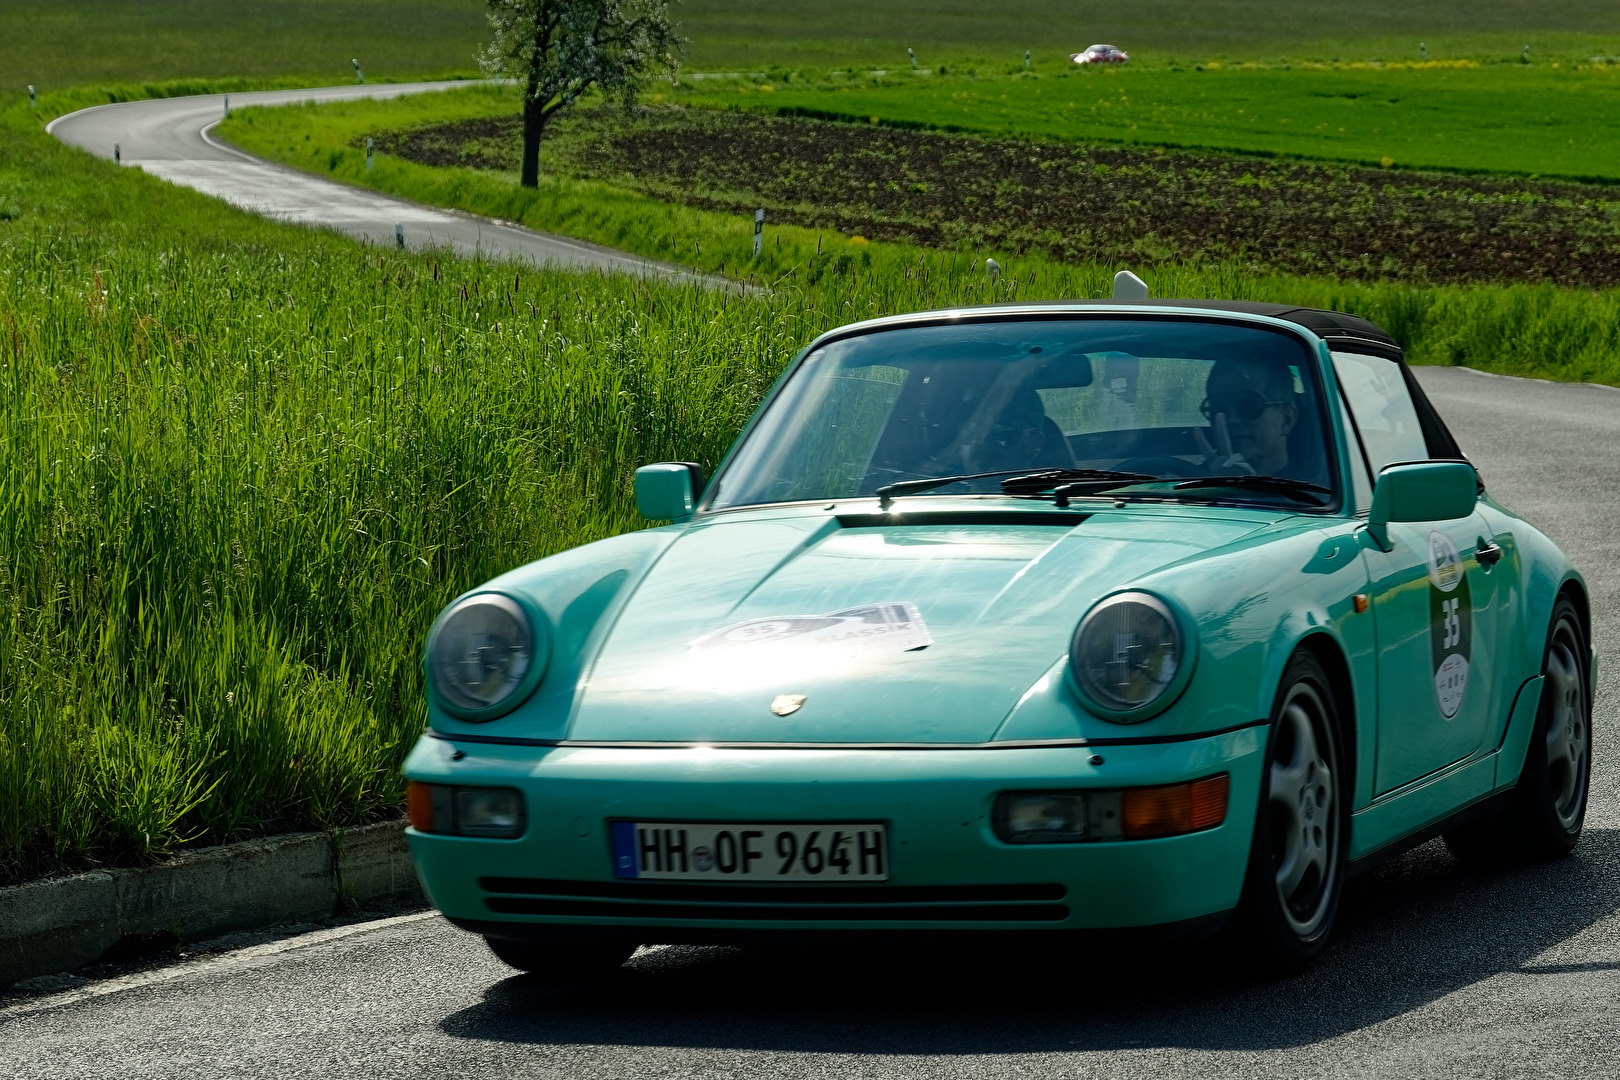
(33, 102)
(759, 230)
(370, 146)
(227, 105)
(1026, 59)
(359, 76)
(399, 235)
(913, 58)
(992, 268)
(118, 154)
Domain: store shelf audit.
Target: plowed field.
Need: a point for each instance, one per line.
(1074, 201)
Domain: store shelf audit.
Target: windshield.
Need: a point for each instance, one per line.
(1175, 399)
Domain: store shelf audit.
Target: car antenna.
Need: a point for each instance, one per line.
(1127, 286)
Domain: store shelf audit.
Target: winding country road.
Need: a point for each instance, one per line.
(169, 137)
(1437, 970)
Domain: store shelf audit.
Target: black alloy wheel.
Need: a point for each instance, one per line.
(1544, 816)
(1297, 858)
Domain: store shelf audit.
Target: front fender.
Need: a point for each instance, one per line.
(1542, 572)
(581, 591)
(1252, 604)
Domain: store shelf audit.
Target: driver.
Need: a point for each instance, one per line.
(1251, 409)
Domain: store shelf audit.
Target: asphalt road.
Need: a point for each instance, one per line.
(170, 138)
(1438, 969)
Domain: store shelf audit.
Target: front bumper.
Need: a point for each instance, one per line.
(949, 871)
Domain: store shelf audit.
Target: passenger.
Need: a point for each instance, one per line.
(1251, 410)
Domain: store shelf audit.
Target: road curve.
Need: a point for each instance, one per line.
(169, 138)
(1437, 969)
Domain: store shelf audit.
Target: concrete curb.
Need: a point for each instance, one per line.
(64, 923)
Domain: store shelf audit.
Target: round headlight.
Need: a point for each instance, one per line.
(1128, 653)
(483, 652)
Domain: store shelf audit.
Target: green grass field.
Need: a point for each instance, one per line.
(1529, 119)
(57, 44)
(834, 33)
(62, 43)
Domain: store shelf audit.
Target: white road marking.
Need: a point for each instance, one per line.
(253, 956)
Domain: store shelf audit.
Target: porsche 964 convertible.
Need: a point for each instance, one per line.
(1045, 619)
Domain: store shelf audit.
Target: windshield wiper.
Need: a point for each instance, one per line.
(1047, 479)
(887, 492)
(1296, 489)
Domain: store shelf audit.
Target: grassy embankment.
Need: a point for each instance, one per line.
(246, 464)
(1537, 330)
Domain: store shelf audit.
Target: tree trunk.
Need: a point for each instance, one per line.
(534, 126)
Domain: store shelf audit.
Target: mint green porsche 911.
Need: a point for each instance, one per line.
(1055, 619)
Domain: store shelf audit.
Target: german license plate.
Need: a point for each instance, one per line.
(732, 851)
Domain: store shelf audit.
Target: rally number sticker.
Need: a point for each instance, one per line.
(1451, 623)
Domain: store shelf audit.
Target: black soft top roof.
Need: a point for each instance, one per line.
(1331, 326)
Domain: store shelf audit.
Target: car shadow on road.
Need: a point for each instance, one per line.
(1411, 932)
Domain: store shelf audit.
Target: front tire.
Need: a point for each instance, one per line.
(1297, 858)
(562, 962)
(1545, 814)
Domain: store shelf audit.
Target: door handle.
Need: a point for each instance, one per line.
(1487, 553)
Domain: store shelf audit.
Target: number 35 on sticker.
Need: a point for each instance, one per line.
(1451, 619)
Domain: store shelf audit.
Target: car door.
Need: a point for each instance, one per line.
(1434, 606)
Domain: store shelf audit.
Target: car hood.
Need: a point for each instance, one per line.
(865, 628)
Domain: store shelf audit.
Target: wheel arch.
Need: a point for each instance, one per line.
(1330, 654)
(1574, 589)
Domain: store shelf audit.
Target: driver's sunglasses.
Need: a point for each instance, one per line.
(1244, 404)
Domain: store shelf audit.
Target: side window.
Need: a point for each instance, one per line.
(1361, 483)
(1383, 410)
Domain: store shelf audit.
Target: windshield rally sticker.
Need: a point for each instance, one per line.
(891, 627)
(1451, 623)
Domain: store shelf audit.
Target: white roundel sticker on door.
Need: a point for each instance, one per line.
(1451, 623)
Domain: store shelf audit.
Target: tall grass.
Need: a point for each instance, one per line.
(238, 487)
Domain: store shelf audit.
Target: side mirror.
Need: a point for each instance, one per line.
(1421, 491)
(668, 491)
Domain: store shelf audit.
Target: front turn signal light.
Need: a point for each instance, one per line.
(488, 812)
(1174, 808)
(419, 805)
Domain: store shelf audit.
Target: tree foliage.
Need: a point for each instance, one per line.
(560, 49)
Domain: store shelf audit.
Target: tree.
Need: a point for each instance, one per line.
(560, 49)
